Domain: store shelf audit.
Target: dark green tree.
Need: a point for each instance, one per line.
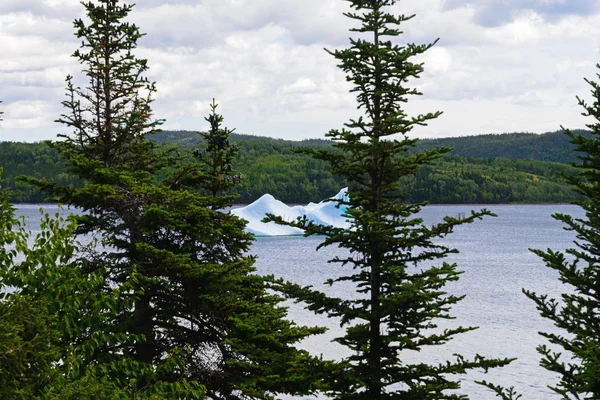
(240, 324)
(577, 312)
(399, 294)
(192, 318)
(110, 118)
(217, 158)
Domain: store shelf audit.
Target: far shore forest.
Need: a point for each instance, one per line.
(484, 169)
(165, 302)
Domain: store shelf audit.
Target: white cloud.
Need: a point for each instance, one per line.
(302, 85)
(438, 60)
(29, 114)
(263, 61)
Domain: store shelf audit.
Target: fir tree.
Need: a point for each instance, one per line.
(400, 296)
(577, 312)
(110, 118)
(194, 311)
(243, 326)
(218, 157)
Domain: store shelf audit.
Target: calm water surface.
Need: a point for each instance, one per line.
(497, 263)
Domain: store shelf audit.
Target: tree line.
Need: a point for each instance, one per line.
(275, 167)
(165, 302)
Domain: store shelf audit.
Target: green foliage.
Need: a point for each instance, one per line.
(27, 348)
(27, 340)
(576, 313)
(45, 305)
(551, 146)
(183, 314)
(272, 166)
(458, 180)
(400, 296)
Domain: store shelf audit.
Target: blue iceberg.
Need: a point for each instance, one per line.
(323, 213)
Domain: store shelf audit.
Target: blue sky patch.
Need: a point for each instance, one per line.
(490, 13)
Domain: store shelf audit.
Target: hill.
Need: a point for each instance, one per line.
(509, 168)
(551, 146)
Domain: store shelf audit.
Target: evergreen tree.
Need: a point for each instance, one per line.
(577, 312)
(195, 317)
(240, 324)
(110, 119)
(399, 294)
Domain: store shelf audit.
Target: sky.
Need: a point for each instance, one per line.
(499, 66)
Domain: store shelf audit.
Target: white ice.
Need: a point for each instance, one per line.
(323, 213)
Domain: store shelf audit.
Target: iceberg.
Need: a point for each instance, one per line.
(323, 213)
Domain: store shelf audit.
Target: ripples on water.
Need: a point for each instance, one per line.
(494, 255)
(497, 263)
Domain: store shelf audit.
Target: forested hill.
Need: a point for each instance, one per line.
(509, 168)
(190, 138)
(551, 146)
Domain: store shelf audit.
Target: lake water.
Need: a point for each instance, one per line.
(497, 263)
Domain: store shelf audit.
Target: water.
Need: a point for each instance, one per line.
(497, 263)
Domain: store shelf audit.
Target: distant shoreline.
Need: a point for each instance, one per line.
(301, 204)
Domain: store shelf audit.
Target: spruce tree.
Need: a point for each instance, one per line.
(577, 312)
(240, 322)
(194, 311)
(400, 295)
(110, 118)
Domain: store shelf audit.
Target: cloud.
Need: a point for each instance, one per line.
(28, 114)
(203, 24)
(518, 67)
(56, 9)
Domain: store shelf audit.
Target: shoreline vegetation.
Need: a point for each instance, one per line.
(513, 168)
(47, 203)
